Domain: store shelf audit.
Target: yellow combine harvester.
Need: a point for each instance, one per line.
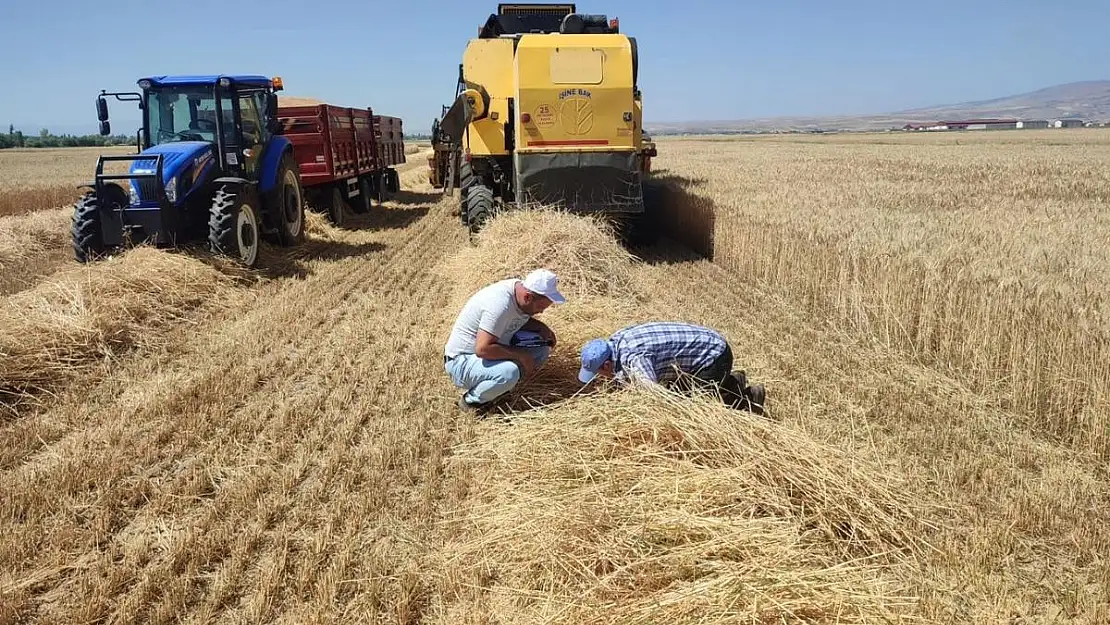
(547, 111)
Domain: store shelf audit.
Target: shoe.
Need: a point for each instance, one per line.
(481, 409)
(757, 397)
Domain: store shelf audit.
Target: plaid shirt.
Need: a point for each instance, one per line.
(652, 351)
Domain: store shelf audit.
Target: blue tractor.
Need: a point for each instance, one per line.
(211, 165)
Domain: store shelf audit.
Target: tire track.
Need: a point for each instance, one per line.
(276, 382)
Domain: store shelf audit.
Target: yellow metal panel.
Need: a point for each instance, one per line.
(573, 102)
(488, 65)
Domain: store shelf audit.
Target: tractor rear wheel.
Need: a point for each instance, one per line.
(233, 224)
(479, 207)
(337, 208)
(286, 201)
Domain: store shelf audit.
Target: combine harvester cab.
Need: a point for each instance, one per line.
(211, 165)
(345, 155)
(547, 111)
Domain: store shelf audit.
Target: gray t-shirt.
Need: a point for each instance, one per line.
(492, 309)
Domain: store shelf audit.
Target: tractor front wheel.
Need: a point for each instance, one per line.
(87, 230)
(233, 224)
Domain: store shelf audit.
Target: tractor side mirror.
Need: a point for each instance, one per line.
(105, 128)
(102, 109)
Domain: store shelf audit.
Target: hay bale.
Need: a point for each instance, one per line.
(644, 507)
(86, 316)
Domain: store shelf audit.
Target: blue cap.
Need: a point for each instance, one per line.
(594, 354)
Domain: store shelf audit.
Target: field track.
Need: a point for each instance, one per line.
(290, 451)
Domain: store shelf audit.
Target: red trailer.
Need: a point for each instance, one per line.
(346, 155)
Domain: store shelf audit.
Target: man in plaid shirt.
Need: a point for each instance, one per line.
(661, 352)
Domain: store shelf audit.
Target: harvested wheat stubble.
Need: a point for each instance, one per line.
(645, 507)
(84, 317)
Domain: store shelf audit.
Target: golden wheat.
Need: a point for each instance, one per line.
(34, 179)
(978, 253)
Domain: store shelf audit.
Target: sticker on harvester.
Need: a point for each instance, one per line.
(545, 115)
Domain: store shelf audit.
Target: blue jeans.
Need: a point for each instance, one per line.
(486, 380)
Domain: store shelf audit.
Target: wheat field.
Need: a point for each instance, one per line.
(183, 441)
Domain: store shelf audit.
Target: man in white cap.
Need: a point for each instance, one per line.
(497, 341)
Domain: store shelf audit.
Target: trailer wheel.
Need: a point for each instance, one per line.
(365, 200)
(393, 180)
(286, 203)
(233, 224)
(337, 208)
(479, 207)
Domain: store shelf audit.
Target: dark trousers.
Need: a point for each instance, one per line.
(718, 374)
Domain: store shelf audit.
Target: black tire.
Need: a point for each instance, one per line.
(393, 180)
(466, 180)
(365, 200)
(337, 208)
(479, 207)
(87, 230)
(286, 203)
(234, 227)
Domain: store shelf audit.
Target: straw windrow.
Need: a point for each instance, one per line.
(643, 506)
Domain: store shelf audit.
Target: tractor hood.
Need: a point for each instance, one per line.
(187, 161)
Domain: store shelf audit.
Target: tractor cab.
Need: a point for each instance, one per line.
(219, 123)
(205, 141)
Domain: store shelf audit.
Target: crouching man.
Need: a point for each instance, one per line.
(659, 352)
(496, 340)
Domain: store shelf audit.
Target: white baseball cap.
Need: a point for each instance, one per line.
(544, 282)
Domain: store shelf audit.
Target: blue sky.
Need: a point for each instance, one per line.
(699, 59)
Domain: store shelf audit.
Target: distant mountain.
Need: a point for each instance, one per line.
(1089, 101)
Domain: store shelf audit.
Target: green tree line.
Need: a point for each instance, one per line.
(45, 139)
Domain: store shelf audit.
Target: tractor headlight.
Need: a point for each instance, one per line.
(133, 194)
(171, 190)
